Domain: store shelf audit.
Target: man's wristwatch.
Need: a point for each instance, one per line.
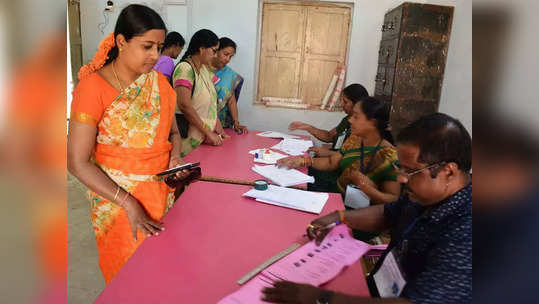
(325, 297)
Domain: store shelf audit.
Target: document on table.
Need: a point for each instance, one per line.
(269, 158)
(294, 146)
(307, 201)
(283, 176)
(309, 264)
(273, 134)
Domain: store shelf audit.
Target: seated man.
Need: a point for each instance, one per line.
(326, 181)
(431, 225)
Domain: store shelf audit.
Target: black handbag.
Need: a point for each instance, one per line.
(183, 124)
(181, 120)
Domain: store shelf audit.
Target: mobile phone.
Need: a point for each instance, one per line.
(179, 168)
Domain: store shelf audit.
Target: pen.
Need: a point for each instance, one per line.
(328, 226)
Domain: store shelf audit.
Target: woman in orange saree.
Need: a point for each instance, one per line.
(122, 132)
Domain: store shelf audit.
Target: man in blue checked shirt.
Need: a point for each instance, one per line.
(429, 258)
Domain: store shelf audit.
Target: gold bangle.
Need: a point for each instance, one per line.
(117, 192)
(122, 202)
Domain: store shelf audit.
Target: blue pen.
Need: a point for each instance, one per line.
(328, 226)
(332, 225)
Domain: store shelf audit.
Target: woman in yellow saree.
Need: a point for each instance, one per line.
(122, 132)
(197, 98)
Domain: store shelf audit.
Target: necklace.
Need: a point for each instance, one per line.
(117, 79)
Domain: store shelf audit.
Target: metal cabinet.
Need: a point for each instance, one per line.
(411, 60)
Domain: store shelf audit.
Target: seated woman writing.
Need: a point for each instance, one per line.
(228, 86)
(366, 158)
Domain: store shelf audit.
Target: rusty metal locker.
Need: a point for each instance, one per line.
(411, 60)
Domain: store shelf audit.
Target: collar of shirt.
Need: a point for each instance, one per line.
(451, 205)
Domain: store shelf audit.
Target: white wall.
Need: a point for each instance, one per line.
(239, 20)
(92, 16)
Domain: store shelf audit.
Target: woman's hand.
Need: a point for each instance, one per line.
(139, 219)
(213, 138)
(316, 230)
(176, 161)
(291, 162)
(289, 292)
(224, 135)
(320, 151)
(360, 180)
(240, 129)
(297, 125)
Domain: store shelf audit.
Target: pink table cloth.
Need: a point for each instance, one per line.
(232, 160)
(213, 237)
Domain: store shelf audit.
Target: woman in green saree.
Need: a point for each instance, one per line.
(366, 157)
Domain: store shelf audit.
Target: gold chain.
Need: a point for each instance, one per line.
(117, 79)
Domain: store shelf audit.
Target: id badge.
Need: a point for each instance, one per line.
(340, 141)
(389, 279)
(355, 198)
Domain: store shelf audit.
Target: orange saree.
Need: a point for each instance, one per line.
(131, 147)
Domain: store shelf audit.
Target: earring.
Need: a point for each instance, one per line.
(120, 49)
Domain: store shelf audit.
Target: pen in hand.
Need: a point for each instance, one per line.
(328, 226)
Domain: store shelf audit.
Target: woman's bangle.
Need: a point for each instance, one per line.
(122, 202)
(116, 194)
(176, 156)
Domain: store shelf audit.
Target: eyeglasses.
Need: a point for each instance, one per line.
(409, 174)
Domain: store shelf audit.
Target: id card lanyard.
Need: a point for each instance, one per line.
(363, 169)
(389, 279)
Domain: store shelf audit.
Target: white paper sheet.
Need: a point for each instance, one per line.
(283, 176)
(273, 134)
(291, 198)
(294, 146)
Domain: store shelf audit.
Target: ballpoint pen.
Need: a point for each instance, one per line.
(328, 226)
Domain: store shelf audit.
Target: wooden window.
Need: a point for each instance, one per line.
(302, 43)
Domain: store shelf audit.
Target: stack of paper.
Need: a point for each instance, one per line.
(292, 198)
(272, 134)
(266, 156)
(309, 264)
(282, 176)
(294, 146)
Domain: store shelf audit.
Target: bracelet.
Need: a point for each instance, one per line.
(302, 162)
(117, 192)
(122, 202)
(341, 217)
(176, 156)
